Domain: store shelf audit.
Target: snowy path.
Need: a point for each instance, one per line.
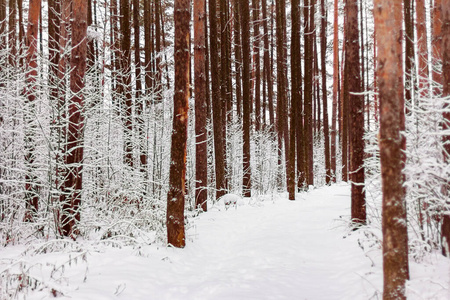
(279, 250)
(274, 250)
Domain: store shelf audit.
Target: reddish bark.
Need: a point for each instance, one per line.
(445, 13)
(245, 22)
(422, 43)
(175, 197)
(436, 44)
(390, 82)
(75, 148)
(356, 109)
(201, 160)
(335, 89)
(31, 189)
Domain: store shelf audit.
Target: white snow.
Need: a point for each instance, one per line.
(274, 249)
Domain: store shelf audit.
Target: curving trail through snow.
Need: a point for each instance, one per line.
(279, 249)
(271, 249)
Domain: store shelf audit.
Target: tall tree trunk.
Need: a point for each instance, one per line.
(175, 197)
(201, 153)
(422, 43)
(323, 49)
(390, 83)
(281, 81)
(445, 13)
(335, 89)
(308, 87)
(12, 36)
(31, 189)
(436, 44)
(245, 22)
(238, 58)
(148, 46)
(219, 157)
(267, 66)
(225, 92)
(75, 135)
(125, 80)
(409, 55)
(295, 94)
(256, 63)
(356, 103)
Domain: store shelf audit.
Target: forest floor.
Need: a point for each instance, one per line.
(272, 248)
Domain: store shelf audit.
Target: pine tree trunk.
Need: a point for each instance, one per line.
(356, 110)
(445, 13)
(256, 63)
(12, 36)
(422, 43)
(323, 49)
(390, 83)
(436, 44)
(31, 189)
(219, 157)
(175, 197)
(75, 134)
(335, 89)
(201, 159)
(125, 80)
(267, 67)
(295, 95)
(409, 53)
(238, 58)
(308, 87)
(245, 22)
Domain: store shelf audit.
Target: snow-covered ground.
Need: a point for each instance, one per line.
(271, 249)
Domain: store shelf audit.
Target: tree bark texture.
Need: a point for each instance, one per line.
(295, 94)
(388, 24)
(356, 110)
(219, 155)
(308, 91)
(323, 55)
(177, 177)
(436, 44)
(31, 189)
(335, 88)
(201, 159)
(75, 134)
(445, 13)
(246, 102)
(409, 52)
(422, 47)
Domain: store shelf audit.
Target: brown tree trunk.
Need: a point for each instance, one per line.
(308, 87)
(409, 52)
(225, 92)
(12, 36)
(436, 44)
(148, 46)
(356, 109)
(31, 189)
(323, 49)
(445, 13)
(125, 80)
(390, 83)
(75, 134)
(175, 197)
(219, 157)
(256, 63)
(295, 95)
(238, 58)
(245, 22)
(422, 43)
(267, 67)
(335, 89)
(201, 159)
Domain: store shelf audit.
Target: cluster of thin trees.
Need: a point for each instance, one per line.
(102, 72)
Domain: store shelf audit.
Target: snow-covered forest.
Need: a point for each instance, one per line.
(224, 149)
